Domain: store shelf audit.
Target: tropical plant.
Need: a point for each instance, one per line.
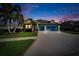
(19, 17)
(6, 10)
(12, 16)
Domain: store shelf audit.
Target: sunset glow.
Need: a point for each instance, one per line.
(48, 11)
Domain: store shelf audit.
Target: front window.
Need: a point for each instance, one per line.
(28, 26)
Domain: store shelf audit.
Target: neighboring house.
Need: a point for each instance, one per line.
(3, 26)
(70, 26)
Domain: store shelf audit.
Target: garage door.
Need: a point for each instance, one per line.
(48, 27)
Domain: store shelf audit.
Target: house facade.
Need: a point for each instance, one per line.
(29, 25)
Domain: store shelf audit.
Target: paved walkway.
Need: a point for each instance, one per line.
(16, 39)
(54, 44)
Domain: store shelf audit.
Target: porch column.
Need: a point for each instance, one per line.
(38, 27)
(45, 28)
(58, 28)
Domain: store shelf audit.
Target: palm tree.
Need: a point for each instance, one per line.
(7, 8)
(12, 16)
(19, 17)
(21, 21)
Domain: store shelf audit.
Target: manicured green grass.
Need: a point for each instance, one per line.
(26, 34)
(17, 34)
(15, 48)
(72, 32)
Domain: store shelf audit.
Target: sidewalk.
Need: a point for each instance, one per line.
(16, 39)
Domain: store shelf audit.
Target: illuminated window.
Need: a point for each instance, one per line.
(28, 26)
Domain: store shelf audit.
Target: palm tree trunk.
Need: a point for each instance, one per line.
(9, 29)
(14, 29)
(15, 25)
(8, 26)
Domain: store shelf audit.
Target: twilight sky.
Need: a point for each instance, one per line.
(48, 11)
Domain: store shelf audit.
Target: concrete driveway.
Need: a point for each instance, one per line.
(54, 44)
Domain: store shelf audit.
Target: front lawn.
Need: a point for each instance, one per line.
(15, 48)
(17, 34)
(26, 34)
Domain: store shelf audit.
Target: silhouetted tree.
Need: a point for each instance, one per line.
(12, 15)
